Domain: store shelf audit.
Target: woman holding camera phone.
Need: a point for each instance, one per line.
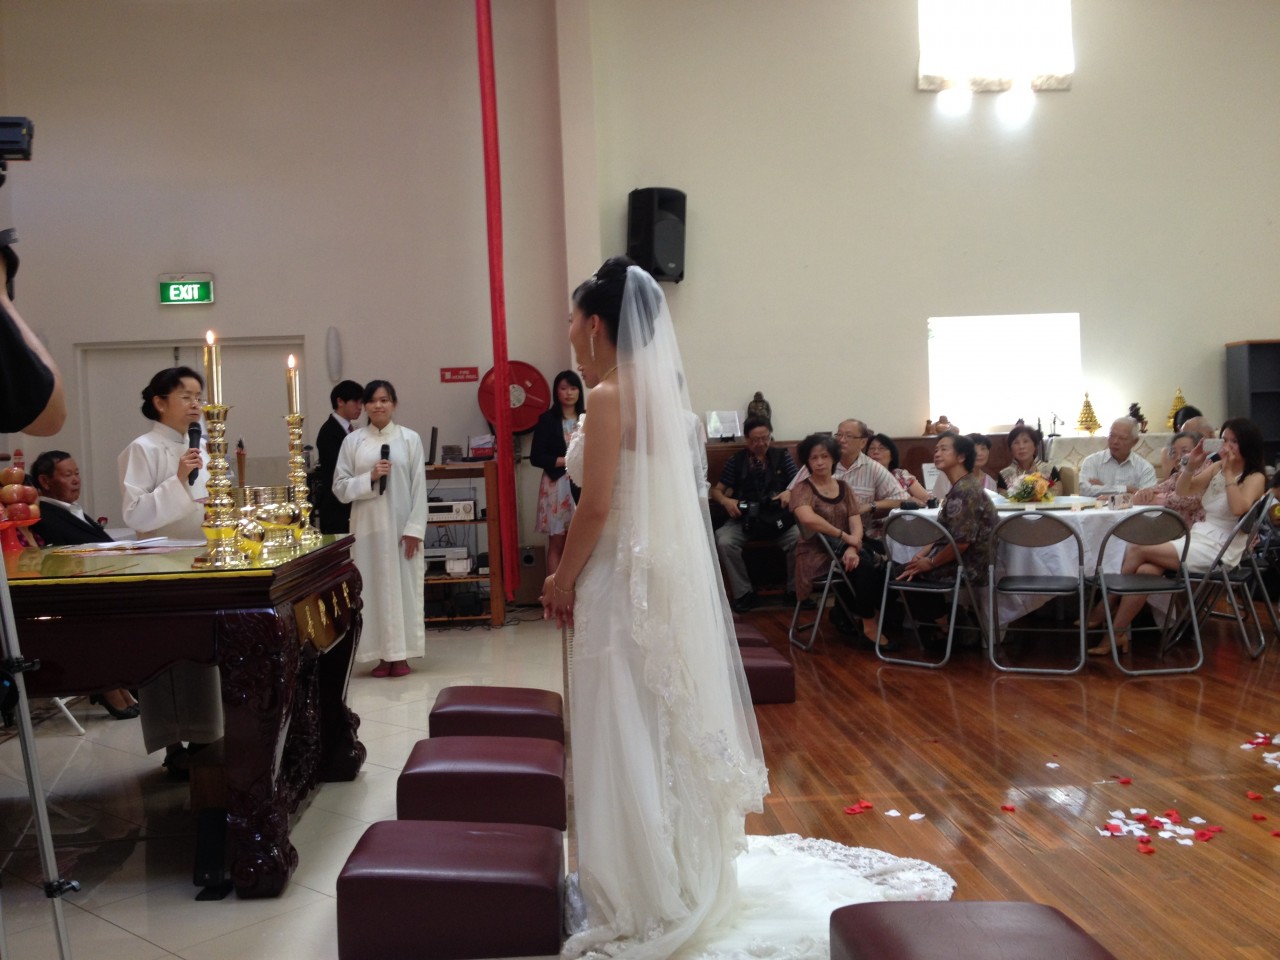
(1227, 488)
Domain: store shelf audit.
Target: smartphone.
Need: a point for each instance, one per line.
(1211, 444)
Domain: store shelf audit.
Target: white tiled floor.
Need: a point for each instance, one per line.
(126, 833)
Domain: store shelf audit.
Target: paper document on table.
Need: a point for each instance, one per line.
(152, 544)
(930, 474)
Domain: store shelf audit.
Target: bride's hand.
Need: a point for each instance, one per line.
(557, 602)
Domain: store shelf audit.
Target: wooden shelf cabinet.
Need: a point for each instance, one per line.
(1253, 388)
(487, 471)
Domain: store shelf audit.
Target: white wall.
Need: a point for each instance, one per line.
(832, 210)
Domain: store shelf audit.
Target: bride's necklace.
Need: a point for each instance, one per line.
(609, 372)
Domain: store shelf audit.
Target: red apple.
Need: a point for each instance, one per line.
(35, 510)
(30, 494)
(12, 475)
(12, 493)
(19, 511)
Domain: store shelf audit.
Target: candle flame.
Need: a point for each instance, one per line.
(292, 362)
(208, 338)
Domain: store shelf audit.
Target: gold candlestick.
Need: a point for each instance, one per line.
(220, 516)
(298, 479)
(213, 369)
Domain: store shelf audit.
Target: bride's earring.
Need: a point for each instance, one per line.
(593, 348)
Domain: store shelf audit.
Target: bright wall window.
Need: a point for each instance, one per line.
(989, 371)
(986, 45)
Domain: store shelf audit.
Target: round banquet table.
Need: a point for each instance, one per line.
(1092, 524)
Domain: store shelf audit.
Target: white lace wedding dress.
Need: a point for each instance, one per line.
(665, 752)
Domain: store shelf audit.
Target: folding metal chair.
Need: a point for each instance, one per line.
(1036, 531)
(1265, 558)
(1222, 581)
(915, 530)
(1147, 527)
(834, 569)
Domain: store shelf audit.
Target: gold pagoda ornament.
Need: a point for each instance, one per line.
(1178, 403)
(1088, 419)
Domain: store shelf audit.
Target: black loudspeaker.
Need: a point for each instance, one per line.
(655, 231)
(533, 571)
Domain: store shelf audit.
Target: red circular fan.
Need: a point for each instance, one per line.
(530, 396)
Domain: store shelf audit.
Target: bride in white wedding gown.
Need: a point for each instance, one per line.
(665, 752)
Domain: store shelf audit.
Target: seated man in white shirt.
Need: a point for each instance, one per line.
(1116, 469)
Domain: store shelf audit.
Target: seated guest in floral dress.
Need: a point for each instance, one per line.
(1165, 493)
(967, 514)
(827, 507)
(1025, 448)
(885, 452)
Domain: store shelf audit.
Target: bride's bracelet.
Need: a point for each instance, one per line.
(557, 589)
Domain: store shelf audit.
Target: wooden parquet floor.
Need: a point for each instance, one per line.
(960, 743)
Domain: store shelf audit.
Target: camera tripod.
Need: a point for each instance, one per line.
(12, 667)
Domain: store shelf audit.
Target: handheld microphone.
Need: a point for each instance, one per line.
(193, 442)
(382, 481)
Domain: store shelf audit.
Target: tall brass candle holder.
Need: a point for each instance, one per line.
(220, 514)
(298, 479)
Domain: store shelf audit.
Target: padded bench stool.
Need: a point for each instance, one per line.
(484, 779)
(749, 636)
(771, 678)
(497, 712)
(959, 930)
(431, 890)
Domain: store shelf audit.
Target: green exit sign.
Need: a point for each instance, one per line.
(177, 288)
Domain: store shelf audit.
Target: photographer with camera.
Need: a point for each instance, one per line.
(753, 491)
(31, 396)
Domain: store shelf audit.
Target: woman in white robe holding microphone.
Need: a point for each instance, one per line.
(162, 478)
(388, 497)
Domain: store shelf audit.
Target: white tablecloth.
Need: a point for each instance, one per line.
(1072, 450)
(1091, 524)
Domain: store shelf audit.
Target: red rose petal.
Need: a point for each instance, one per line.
(865, 805)
(1213, 829)
(1259, 816)
(1143, 818)
(1115, 828)
(1253, 796)
(1146, 849)
(1125, 781)
(1275, 833)
(1008, 807)
(1144, 839)
(1204, 836)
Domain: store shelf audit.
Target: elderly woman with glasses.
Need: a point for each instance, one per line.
(163, 481)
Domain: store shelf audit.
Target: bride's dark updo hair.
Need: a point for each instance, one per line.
(601, 295)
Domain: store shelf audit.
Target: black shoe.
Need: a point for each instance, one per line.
(177, 763)
(744, 603)
(130, 712)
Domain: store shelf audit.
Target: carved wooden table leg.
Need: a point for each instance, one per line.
(259, 661)
(341, 752)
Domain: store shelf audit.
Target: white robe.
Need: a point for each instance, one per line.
(185, 701)
(393, 589)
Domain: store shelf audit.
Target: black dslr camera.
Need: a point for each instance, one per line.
(764, 519)
(15, 144)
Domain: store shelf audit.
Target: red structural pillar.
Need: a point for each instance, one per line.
(504, 449)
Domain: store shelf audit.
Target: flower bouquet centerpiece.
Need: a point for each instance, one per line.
(1031, 488)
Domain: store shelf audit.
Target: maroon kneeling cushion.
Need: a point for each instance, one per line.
(485, 779)
(468, 711)
(770, 676)
(959, 930)
(431, 890)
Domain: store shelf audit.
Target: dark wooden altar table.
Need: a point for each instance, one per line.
(283, 636)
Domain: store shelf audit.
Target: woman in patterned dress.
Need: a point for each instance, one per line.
(556, 496)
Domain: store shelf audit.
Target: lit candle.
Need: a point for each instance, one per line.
(291, 383)
(213, 369)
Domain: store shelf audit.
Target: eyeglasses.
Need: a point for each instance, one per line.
(851, 436)
(187, 398)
